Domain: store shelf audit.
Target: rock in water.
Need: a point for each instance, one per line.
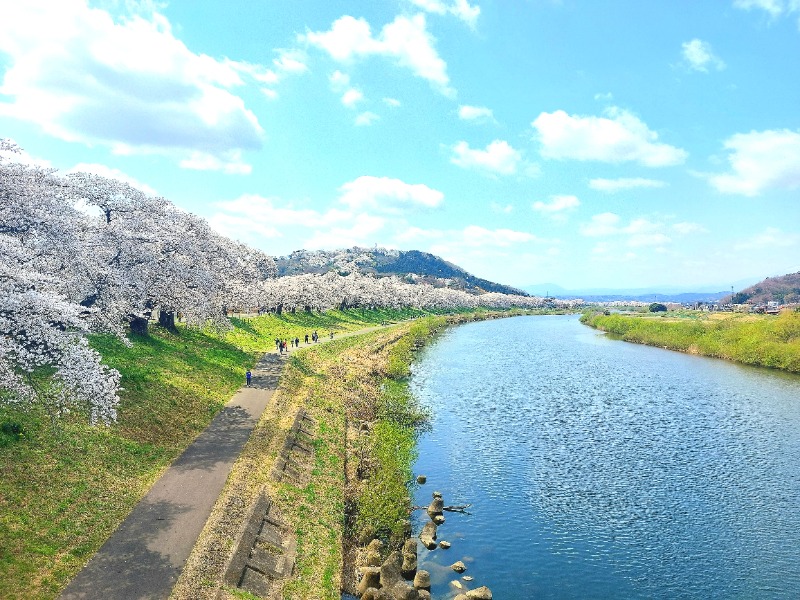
(458, 567)
(481, 593)
(428, 535)
(436, 507)
(421, 479)
(422, 580)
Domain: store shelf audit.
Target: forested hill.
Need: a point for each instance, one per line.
(412, 265)
(784, 289)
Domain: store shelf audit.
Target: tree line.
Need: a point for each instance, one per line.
(82, 253)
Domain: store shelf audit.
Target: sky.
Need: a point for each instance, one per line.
(584, 144)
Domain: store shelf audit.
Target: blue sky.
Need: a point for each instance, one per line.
(608, 144)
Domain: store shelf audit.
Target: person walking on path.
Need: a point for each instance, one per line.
(306, 338)
(248, 375)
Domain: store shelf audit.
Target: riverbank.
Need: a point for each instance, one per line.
(759, 340)
(65, 485)
(355, 486)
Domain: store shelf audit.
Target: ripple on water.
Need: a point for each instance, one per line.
(600, 469)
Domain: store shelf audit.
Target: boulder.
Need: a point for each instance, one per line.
(410, 548)
(403, 591)
(444, 545)
(461, 597)
(481, 593)
(428, 535)
(409, 566)
(422, 580)
(373, 559)
(458, 567)
(372, 555)
(391, 570)
(438, 519)
(424, 595)
(421, 479)
(369, 594)
(435, 507)
(370, 578)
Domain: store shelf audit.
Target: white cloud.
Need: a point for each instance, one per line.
(557, 207)
(618, 137)
(352, 97)
(393, 102)
(760, 161)
(229, 163)
(291, 61)
(360, 233)
(638, 233)
(389, 195)
(475, 113)
(775, 8)
(612, 186)
(129, 84)
(366, 118)
(475, 235)
(687, 228)
(506, 209)
(601, 225)
(498, 157)
(339, 81)
(699, 57)
(405, 40)
(770, 238)
(459, 8)
(648, 239)
(256, 219)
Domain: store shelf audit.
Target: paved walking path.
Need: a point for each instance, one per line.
(145, 555)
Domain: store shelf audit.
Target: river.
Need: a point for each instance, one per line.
(601, 469)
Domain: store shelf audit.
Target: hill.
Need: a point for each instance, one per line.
(412, 265)
(784, 290)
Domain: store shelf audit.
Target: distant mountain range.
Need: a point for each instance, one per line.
(653, 294)
(412, 265)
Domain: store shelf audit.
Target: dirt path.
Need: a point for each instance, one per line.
(145, 555)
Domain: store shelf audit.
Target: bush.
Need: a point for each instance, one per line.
(657, 307)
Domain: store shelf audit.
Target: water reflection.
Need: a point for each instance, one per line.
(600, 469)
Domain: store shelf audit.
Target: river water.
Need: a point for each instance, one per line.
(602, 469)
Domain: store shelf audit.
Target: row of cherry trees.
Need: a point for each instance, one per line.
(331, 290)
(82, 253)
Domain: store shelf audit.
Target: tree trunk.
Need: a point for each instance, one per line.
(138, 325)
(166, 319)
(279, 309)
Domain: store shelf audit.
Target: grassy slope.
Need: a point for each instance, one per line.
(63, 490)
(756, 340)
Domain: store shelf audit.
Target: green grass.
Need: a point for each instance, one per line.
(65, 488)
(767, 341)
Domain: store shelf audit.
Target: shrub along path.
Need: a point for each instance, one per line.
(146, 553)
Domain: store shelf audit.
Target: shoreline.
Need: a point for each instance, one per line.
(770, 342)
